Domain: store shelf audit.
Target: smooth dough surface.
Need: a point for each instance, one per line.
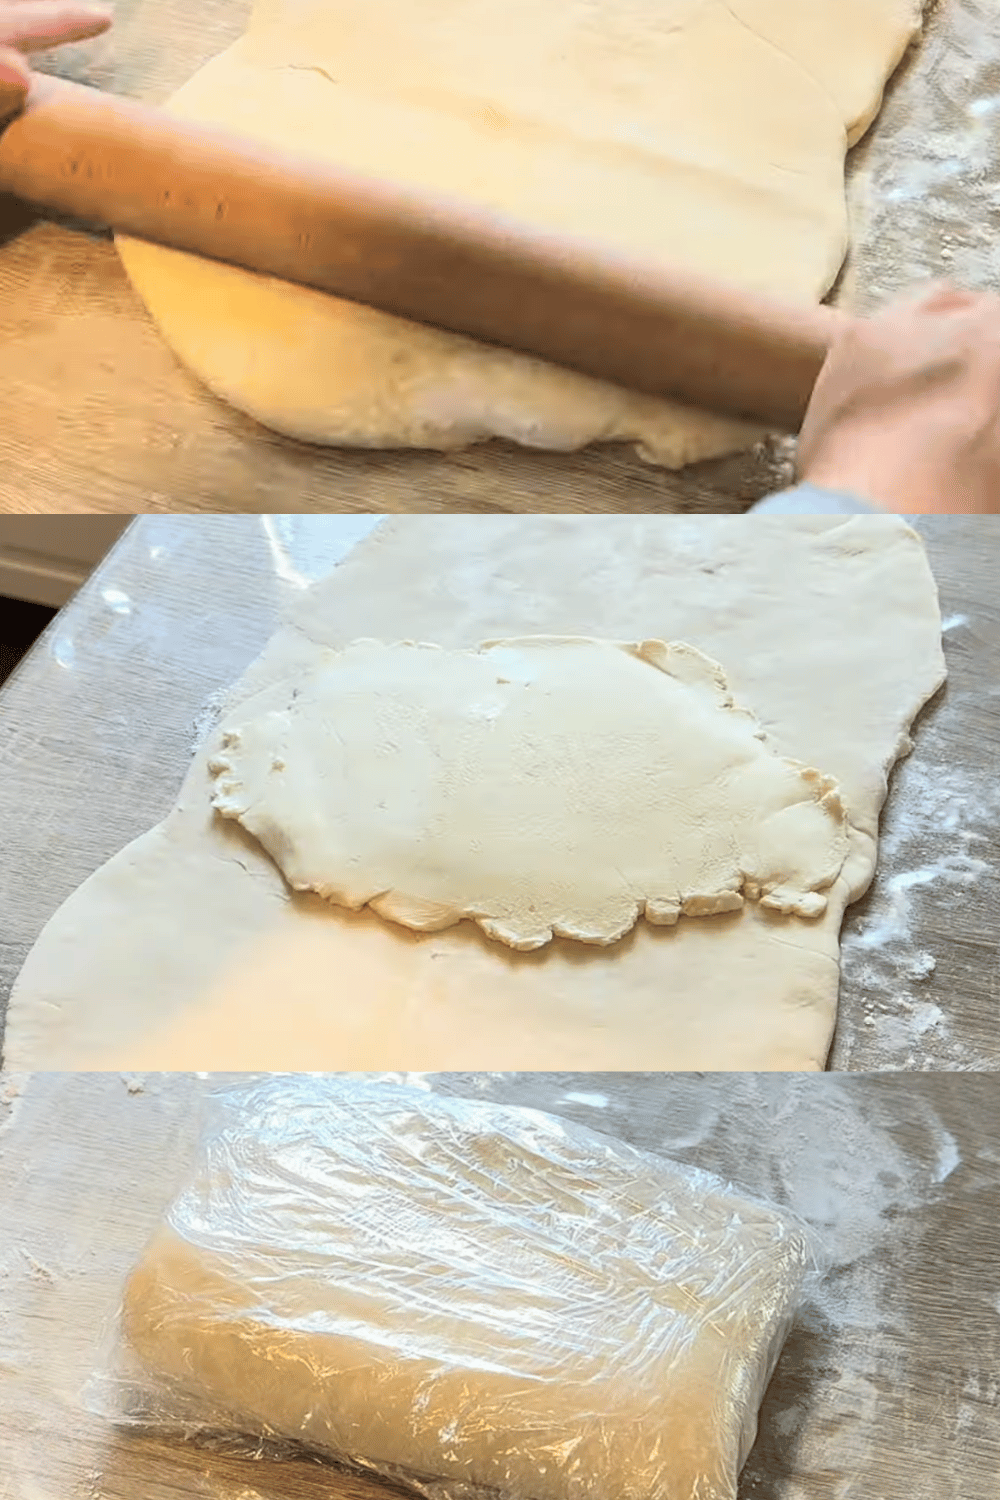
(703, 133)
(483, 1294)
(546, 787)
(829, 628)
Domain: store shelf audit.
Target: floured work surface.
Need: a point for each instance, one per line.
(262, 979)
(886, 1386)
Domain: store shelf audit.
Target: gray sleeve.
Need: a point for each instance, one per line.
(808, 500)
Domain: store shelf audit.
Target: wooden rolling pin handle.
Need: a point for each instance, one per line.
(111, 161)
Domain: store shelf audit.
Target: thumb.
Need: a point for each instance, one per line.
(15, 80)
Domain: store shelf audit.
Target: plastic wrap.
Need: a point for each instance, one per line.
(460, 1294)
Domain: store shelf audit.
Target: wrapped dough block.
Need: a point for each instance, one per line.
(461, 1294)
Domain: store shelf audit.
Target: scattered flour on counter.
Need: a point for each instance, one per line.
(940, 820)
(860, 1164)
(12, 1087)
(891, 923)
(918, 178)
(39, 1271)
(790, 1419)
(207, 718)
(851, 1161)
(949, 1156)
(92, 1485)
(922, 966)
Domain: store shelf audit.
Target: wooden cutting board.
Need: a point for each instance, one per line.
(98, 415)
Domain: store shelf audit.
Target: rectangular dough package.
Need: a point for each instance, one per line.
(460, 1295)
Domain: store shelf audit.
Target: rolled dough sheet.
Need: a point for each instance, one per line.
(186, 951)
(703, 133)
(466, 1291)
(549, 786)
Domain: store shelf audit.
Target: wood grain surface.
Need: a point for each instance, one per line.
(98, 724)
(887, 1386)
(99, 416)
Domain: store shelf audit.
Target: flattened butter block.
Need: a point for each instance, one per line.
(447, 1289)
(546, 787)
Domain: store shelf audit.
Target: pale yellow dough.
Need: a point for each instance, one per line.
(187, 950)
(491, 1296)
(543, 787)
(703, 133)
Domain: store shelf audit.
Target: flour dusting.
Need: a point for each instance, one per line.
(12, 1086)
(939, 824)
(38, 1270)
(829, 1152)
(924, 187)
(207, 718)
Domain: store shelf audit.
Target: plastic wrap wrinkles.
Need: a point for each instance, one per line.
(464, 1294)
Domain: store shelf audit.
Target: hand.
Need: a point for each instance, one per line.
(906, 411)
(31, 26)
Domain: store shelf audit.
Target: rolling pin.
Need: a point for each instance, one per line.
(140, 171)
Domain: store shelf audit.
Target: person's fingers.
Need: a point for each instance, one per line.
(983, 337)
(15, 78)
(14, 69)
(987, 310)
(935, 298)
(34, 25)
(942, 297)
(934, 323)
